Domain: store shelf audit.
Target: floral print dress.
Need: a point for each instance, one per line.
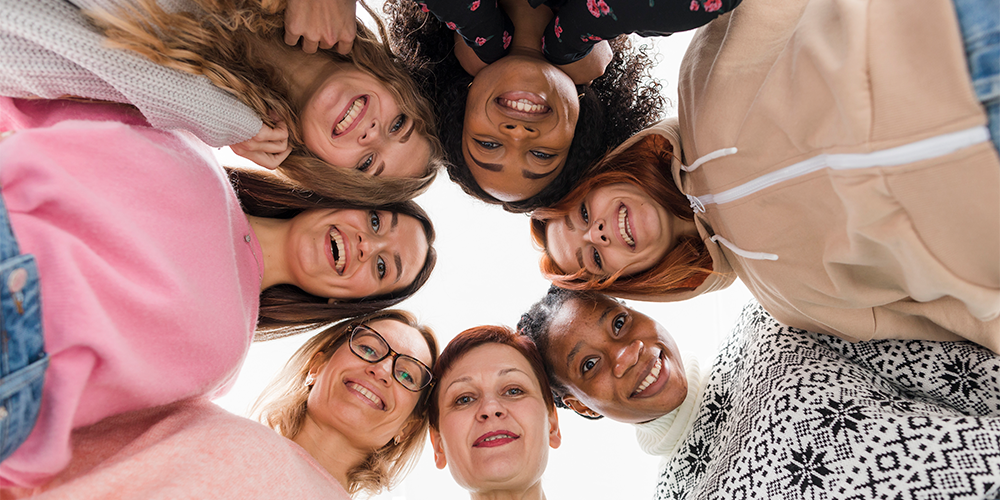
(578, 24)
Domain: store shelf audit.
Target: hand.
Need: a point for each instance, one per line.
(321, 23)
(591, 66)
(467, 57)
(268, 148)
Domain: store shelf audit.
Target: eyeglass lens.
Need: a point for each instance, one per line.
(371, 347)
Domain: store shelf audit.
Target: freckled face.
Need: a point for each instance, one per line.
(362, 400)
(352, 120)
(617, 226)
(520, 117)
(495, 429)
(350, 254)
(615, 360)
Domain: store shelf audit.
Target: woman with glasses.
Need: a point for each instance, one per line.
(355, 397)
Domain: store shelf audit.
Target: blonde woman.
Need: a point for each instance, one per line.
(360, 113)
(355, 397)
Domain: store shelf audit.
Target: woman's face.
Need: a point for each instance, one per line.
(495, 429)
(519, 122)
(616, 227)
(351, 254)
(361, 400)
(615, 361)
(352, 120)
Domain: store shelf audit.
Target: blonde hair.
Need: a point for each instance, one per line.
(282, 404)
(218, 43)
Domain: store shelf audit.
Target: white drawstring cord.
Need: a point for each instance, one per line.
(709, 157)
(743, 253)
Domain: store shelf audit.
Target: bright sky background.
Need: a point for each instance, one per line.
(487, 273)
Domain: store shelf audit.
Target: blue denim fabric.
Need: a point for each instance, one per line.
(22, 359)
(980, 23)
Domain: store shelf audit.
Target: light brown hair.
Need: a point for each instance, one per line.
(282, 404)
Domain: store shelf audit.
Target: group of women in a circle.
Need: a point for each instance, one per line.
(841, 161)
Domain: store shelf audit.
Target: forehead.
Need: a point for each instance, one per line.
(408, 159)
(412, 248)
(562, 244)
(403, 339)
(487, 362)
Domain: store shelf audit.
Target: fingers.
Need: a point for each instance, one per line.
(290, 37)
(265, 159)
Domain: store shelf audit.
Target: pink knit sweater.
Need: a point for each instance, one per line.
(150, 274)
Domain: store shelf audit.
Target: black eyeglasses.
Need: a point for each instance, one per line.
(369, 345)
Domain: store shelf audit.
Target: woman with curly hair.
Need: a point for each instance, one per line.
(529, 129)
(355, 396)
(357, 128)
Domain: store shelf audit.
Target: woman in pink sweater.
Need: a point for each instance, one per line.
(153, 294)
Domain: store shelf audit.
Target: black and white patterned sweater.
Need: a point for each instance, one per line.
(789, 414)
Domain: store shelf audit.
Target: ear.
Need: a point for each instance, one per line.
(439, 459)
(579, 407)
(555, 435)
(316, 363)
(331, 301)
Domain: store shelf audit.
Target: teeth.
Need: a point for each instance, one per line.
(653, 375)
(338, 249)
(499, 436)
(368, 394)
(352, 113)
(624, 227)
(523, 105)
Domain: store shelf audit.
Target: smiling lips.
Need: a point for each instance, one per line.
(495, 438)
(338, 249)
(350, 117)
(523, 105)
(653, 375)
(362, 390)
(625, 226)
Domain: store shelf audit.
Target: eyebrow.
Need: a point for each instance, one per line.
(572, 353)
(501, 372)
(492, 167)
(569, 223)
(605, 314)
(579, 258)
(527, 174)
(395, 256)
(406, 136)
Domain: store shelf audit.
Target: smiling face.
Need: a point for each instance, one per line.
(519, 121)
(350, 254)
(617, 226)
(362, 401)
(494, 427)
(615, 361)
(352, 120)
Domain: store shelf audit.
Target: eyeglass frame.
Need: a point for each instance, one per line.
(391, 352)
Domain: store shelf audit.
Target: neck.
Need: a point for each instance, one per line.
(533, 492)
(302, 73)
(331, 449)
(529, 25)
(271, 233)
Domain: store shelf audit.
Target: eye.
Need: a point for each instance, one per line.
(618, 323)
(404, 375)
(597, 260)
(588, 364)
(584, 214)
(487, 144)
(365, 164)
(380, 267)
(367, 351)
(513, 391)
(463, 400)
(375, 220)
(542, 156)
(398, 124)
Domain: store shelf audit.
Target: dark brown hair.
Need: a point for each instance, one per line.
(480, 335)
(287, 309)
(645, 164)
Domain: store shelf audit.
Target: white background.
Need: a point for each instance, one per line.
(487, 273)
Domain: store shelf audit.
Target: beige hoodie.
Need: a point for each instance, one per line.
(837, 160)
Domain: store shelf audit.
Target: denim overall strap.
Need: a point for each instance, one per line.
(22, 357)
(980, 24)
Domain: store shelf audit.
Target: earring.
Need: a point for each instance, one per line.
(397, 439)
(580, 95)
(310, 380)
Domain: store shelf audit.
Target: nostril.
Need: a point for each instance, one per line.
(509, 127)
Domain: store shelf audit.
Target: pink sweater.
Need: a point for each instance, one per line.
(187, 450)
(149, 270)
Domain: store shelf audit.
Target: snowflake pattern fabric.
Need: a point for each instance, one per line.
(794, 415)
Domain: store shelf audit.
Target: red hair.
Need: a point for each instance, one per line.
(489, 334)
(645, 164)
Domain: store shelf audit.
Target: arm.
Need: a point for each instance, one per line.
(483, 27)
(321, 23)
(61, 54)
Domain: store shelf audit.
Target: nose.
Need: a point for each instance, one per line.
(519, 131)
(382, 370)
(368, 246)
(597, 234)
(490, 407)
(627, 357)
(372, 134)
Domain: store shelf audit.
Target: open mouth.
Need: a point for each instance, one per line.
(625, 226)
(495, 438)
(651, 377)
(523, 106)
(351, 115)
(360, 389)
(338, 250)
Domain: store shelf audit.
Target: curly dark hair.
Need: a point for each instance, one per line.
(612, 108)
